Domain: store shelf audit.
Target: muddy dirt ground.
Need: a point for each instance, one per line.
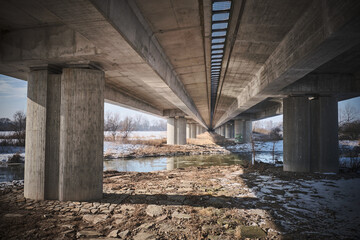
(230, 202)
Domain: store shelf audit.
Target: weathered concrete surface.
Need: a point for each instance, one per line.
(117, 97)
(81, 134)
(158, 53)
(193, 130)
(188, 130)
(42, 135)
(228, 130)
(322, 32)
(181, 131)
(310, 134)
(171, 131)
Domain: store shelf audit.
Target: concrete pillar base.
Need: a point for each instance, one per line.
(311, 134)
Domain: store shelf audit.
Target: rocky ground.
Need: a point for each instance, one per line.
(231, 202)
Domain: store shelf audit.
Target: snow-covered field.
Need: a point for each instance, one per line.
(6, 133)
(323, 202)
(259, 147)
(117, 149)
(143, 135)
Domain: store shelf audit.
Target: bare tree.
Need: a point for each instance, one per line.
(112, 123)
(127, 126)
(18, 126)
(348, 114)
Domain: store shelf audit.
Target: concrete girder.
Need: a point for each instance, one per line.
(117, 20)
(326, 30)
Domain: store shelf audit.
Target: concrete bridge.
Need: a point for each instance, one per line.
(217, 65)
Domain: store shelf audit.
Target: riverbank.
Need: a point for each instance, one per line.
(227, 202)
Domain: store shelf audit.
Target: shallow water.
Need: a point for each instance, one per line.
(149, 164)
(169, 163)
(11, 172)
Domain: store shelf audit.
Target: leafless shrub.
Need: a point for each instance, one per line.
(18, 126)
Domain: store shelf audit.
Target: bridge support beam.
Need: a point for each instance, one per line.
(81, 134)
(64, 135)
(227, 130)
(181, 131)
(171, 131)
(42, 135)
(311, 134)
(222, 130)
(243, 128)
(192, 130)
(187, 130)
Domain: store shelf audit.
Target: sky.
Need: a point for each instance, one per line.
(13, 98)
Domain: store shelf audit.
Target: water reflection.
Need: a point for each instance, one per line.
(16, 172)
(9, 172)
(170, 163)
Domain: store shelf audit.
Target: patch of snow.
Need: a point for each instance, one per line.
(143, 135)
(117, 149)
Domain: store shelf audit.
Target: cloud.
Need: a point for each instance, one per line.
(12, 87)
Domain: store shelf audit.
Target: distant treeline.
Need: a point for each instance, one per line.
(6, 124)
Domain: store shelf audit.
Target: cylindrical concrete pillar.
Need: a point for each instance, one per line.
(81, 134)
(171, 131)
(192, 130)
(181, 131)
(310, 134)
(42, 136)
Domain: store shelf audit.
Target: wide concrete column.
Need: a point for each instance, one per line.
(310, 134)
(42, 135)
(171, 131)
(181, 131)
(81, 134)
(227, 130)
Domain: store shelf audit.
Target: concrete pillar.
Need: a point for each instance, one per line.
(310, 134)
(227, 130)
(42, 135)
(192, 130)
(187, 130)
(171, 131)
(243, 128)
(247, 131)
(198, 129)
(181, 131)
(222, 130)
(81, 134)
(238, 125)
